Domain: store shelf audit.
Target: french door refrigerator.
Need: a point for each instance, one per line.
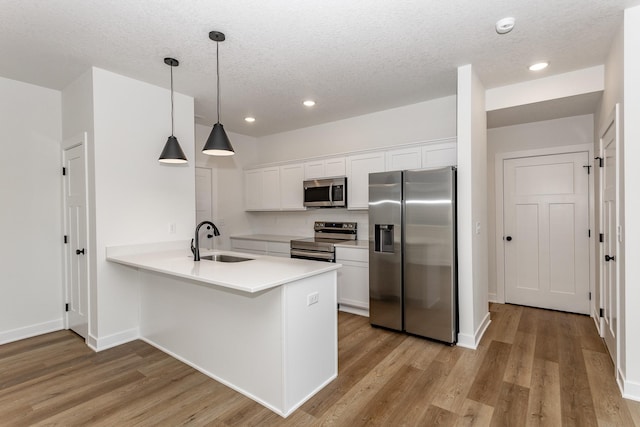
(412, 252)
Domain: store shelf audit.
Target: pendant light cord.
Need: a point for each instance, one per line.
(172, 100)
(218, 78)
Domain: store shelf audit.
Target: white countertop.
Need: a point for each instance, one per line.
(260, 273)
(359, 244)
(268, 238)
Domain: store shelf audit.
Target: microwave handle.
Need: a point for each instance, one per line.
(331, 193)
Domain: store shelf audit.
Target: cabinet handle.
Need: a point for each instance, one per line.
(78, 251)
(509, 238)
(609, 258)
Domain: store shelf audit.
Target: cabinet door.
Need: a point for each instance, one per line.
(439, 155)
(353, 284)
(291, 194)
(358, 169)
(271, 188)
(253, 189)
(403, 159)
(314, 169)
(334, 167)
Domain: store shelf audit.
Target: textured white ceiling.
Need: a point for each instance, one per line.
(352, 56)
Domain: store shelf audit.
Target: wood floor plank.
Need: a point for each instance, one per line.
(426, 387)
(435, 416)
(610, 407)
(453, 394)
(474, 414)
(385, 378)
(511, 406)
(575, 393)
(487, 383)
(518, 370)
(544, 396)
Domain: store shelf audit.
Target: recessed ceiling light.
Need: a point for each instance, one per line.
(309, 103)
(539, 66)
(249, 119)
(504, 25)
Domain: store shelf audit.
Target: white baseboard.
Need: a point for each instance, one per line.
(113, 340)
(31, 331)
(493, 297)
(630, 390)
(354, 310)
(469, 341)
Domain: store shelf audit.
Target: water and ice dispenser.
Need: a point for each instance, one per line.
(384, 238)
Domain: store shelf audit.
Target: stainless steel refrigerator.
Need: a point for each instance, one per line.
(412, 252)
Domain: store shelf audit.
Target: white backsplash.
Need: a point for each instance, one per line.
(301, 223)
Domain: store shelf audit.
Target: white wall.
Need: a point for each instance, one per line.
(529, 136)
(473, 303)
(136, 197)
(631, 229)
(30, 219)
(586, 80)
(425, 121)
(228, 189)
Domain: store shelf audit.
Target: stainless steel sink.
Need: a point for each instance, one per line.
(225, 258)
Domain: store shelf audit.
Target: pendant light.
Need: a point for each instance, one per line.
(172, 152)
(218, 143)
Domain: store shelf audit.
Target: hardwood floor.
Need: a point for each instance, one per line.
(533, 367)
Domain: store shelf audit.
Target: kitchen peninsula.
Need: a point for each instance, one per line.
(266, 327)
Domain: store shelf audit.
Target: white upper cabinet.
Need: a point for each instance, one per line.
(253, 189)
(325, 168)
(358, 169)
(439, 155)
(291, 194)
(262, 189)
(403, 159)
(335, 167)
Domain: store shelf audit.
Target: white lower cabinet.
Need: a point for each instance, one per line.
(353, 280)
(257, 247)
(261, 247)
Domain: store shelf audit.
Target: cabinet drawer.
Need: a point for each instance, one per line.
(352, 254)
(279, 248)
(249, 245)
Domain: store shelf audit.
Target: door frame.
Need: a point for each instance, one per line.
(80, 139)
(499, 200)
(612, 120)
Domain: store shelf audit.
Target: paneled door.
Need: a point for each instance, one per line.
(76, 256)
(546, 226)
(609, 293)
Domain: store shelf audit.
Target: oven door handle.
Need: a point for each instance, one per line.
(331, 193)
(309, 254)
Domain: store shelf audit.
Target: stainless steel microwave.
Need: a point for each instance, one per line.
(326, 193)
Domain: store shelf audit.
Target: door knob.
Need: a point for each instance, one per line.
(78, 251)
(609, 258)
(509, 238)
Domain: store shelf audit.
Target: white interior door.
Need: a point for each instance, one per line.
(76, 247)
(609, 297)
(546, 226)
(204, 205)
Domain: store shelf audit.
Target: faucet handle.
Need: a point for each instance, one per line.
(193, 248)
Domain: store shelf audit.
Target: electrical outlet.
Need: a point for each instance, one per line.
(172, 228)
(313, 298)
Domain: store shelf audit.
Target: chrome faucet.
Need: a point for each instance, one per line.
(196, 249)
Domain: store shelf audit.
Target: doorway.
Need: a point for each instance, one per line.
(543, 231)
(75, 226)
